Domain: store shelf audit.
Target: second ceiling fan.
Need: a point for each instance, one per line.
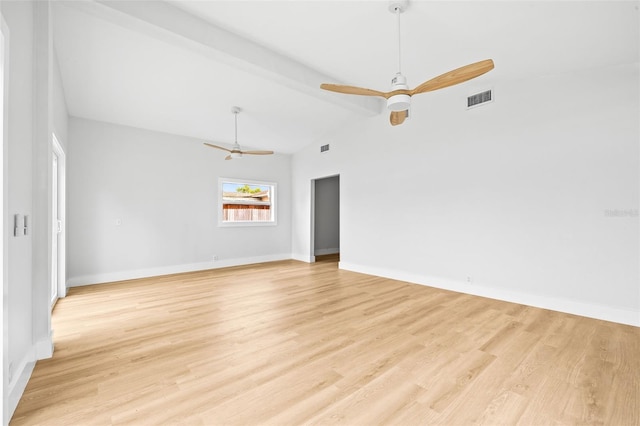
(399, 98)
(235, 151)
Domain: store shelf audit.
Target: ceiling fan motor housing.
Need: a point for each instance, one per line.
(236, 152)
(400, 102)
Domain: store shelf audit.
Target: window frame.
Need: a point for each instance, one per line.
(273, 192)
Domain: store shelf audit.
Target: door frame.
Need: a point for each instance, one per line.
(53, 287)
(62, 196)
(312, 238)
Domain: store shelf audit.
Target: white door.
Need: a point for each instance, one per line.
(56, 228)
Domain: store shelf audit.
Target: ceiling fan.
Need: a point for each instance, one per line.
(235, 151)
(399, 98)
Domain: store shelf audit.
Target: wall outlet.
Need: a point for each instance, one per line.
(214, 257)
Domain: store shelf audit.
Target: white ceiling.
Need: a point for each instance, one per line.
(180, 66)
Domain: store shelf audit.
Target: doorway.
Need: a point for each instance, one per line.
(325, 233)
(58, 196)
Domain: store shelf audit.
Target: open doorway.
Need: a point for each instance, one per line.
(326, 219)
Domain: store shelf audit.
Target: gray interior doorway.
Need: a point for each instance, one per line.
(326, 214)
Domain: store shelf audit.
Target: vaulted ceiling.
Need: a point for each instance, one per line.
(179, 66)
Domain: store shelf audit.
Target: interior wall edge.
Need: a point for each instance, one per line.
(303, 257)
(44, 346)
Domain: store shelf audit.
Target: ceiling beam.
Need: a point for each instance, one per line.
(171, 24)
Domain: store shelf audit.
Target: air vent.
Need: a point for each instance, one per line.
(324, 148)
(479, 99)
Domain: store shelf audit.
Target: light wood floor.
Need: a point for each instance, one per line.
(289, 343)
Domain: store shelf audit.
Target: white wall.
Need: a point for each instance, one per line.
(163, 189)
(19, 19)
(327, 216)
(30, 104)
(514, 196)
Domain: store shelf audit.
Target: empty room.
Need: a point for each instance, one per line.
(320, 212)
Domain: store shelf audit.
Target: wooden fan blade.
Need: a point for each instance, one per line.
(459, 75)
(398, 117)
(258, 152)
(228, 157)
(352, 90)
(216, 146)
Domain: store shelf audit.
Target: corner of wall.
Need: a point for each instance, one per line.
(303, 257)
(44, 347)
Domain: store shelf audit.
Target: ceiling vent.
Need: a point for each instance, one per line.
(324, 148)
(480, 99)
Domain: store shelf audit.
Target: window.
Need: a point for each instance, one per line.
(246, 203)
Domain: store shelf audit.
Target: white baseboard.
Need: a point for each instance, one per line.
(18, 380)
(303, 257)
(20, 372)
(602, 312)
(173, 269)
(320, 252)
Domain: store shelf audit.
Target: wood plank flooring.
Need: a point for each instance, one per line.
(288, 343)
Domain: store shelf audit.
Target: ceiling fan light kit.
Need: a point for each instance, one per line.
(401, 101)
(399, 98)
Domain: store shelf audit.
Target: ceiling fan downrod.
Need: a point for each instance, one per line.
(398, 12)
(399, 102)
(236, 153)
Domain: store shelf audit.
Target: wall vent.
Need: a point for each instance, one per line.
(324, 148)
(479, 98)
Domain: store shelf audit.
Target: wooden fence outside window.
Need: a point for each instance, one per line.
(244, 213)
